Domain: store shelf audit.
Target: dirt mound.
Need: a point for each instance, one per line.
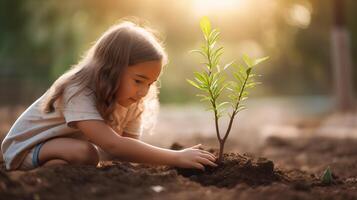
(236, 169)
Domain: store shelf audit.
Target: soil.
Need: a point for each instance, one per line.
(282, 169)
(236, 169)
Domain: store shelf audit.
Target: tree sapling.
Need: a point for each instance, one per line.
(327, 178)
(212, 81)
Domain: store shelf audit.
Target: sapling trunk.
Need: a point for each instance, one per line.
(234, 113)
(212, 81)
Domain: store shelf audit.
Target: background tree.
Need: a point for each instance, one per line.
(342, 60)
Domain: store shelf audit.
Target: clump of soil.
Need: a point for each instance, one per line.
(235, 169)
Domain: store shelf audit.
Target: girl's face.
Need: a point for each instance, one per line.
(136, 80)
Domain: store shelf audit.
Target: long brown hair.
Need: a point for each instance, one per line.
(100, 69)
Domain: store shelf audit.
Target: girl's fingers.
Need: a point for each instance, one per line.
(206, 162)
(202, 151)
(199, 166)
(209, 157)
(208, 153)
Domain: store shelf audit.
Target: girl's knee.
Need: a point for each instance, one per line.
(73, 151)
(86, 154)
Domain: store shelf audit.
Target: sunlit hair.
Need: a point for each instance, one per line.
(100, 69)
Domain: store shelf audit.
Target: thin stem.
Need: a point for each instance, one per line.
(234, 113)
(213, 101)
(220, 156)
(217, 123)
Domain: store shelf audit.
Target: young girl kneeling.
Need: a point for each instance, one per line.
(95, 110)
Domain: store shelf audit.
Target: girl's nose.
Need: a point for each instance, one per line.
(142, 92)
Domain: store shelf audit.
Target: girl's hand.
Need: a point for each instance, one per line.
(194, 157)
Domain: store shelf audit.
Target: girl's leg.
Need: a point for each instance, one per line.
(55, 162)
(67, 151)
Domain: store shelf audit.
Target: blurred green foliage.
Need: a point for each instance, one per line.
(40, 39)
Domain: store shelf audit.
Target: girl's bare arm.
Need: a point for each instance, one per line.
(130, 135)
(137, 151)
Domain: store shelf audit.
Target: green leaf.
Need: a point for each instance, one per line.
(240, 108)
(212, 44)
(198, 51)
(242, 70)
(205, 26)
(201, 77)
(204, 49)
(327, 177)
(254, 75)
(206, 65)
(214, 35)
(216, 57)
(228, 65)
(248, 61)
(193, 83)
(259, 60)
(232, 96)
(217, 53)
(258, 83)
(199, 81)
(239, 77)
(216, 79)
(222, 104)
(203, 97)
(245, 94)
(251, 85)
(220, 90)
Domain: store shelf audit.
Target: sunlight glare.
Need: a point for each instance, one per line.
(299, 16)
(206, 7)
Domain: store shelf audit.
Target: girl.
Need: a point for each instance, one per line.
(95, 111)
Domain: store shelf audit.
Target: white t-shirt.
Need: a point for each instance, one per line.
(35, 126)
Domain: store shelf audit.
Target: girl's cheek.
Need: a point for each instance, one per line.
(124, 91)
(131, 89)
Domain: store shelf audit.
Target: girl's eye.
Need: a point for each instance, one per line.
(138, 81)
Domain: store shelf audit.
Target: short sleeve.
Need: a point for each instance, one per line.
(134, 125)
(79, 107)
